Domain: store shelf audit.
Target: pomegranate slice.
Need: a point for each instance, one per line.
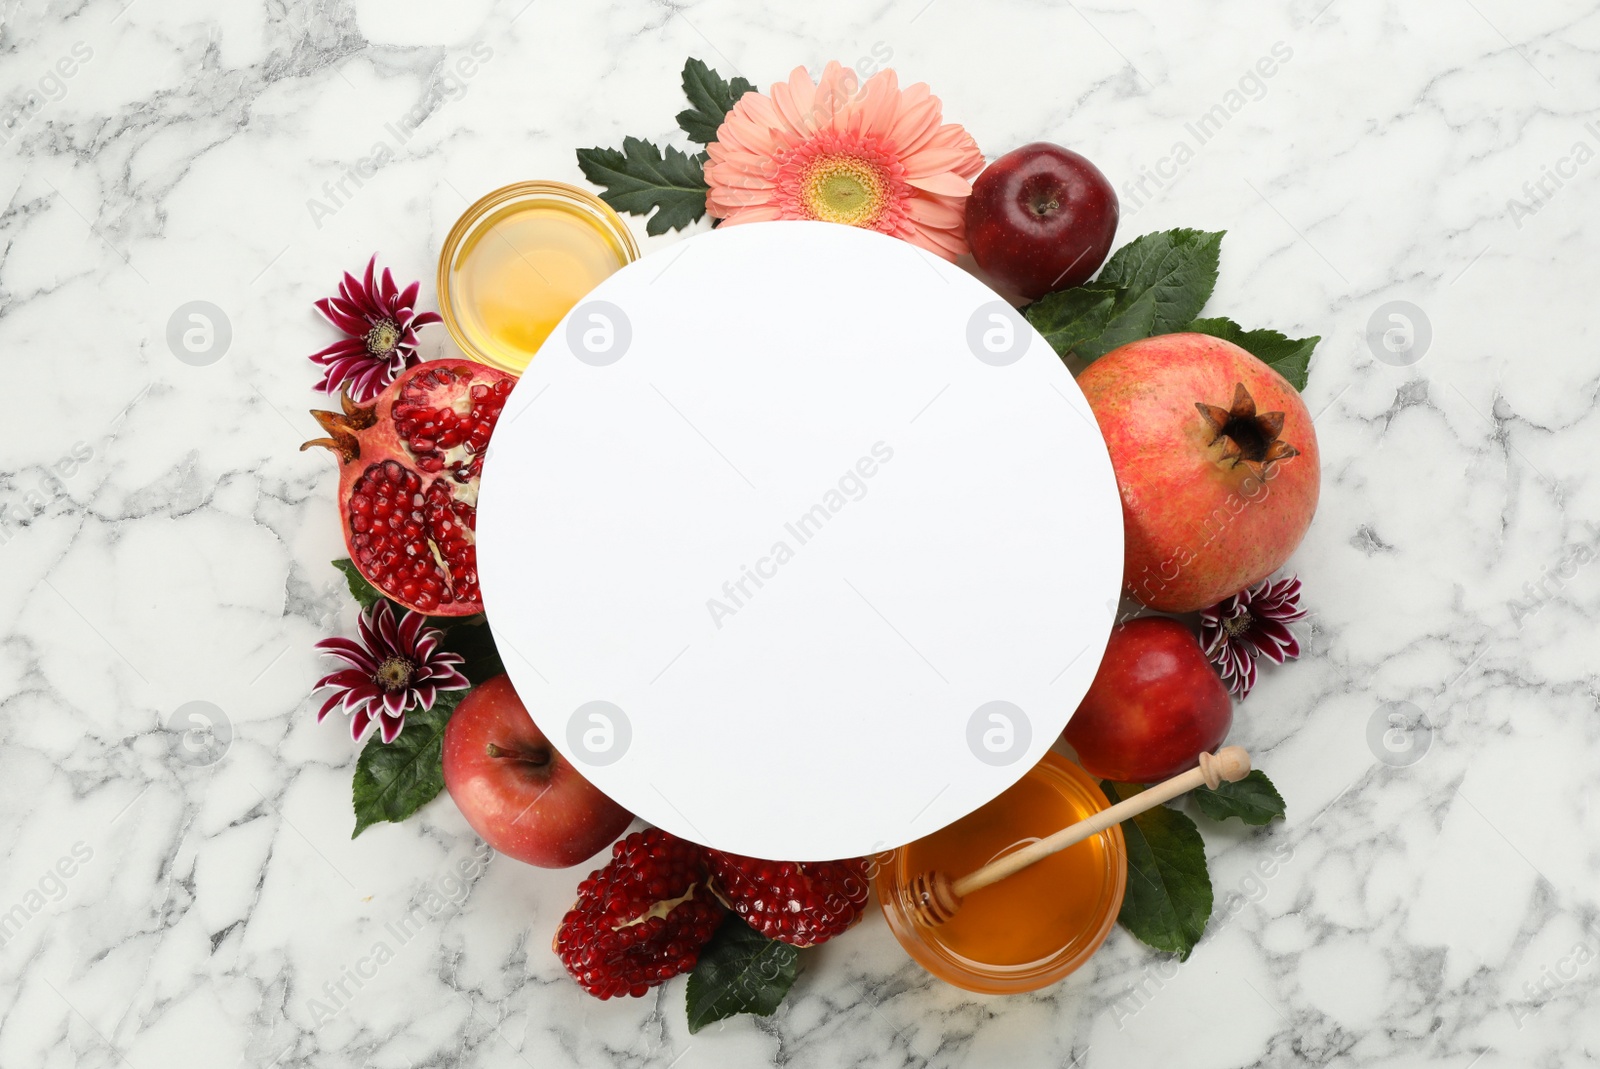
(800, 903)
(642, 919)
(409, 464)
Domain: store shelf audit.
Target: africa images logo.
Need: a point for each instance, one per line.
(1251, 86)
(1553, 177)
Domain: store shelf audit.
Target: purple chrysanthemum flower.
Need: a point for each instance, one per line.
(377, 316)
(1254, 622)
(393, 669)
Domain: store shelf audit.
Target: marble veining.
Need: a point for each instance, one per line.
(1431, 901)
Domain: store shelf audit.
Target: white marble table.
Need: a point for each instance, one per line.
(165, 543)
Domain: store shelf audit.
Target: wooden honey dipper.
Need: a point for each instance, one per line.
(935, 897)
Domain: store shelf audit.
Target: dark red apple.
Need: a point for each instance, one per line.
(1154, 705)
(516, 790)
(1041, 218)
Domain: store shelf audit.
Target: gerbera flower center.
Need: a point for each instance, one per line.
(383, 337)
(1237, 624)
(844, 189)
(394, 674)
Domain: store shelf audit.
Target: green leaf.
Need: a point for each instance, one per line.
(364, 592)
(470, 636)
(1176, 269)
(1163, 280)
(710, 97)
(640, 180)
(739, 971)
(1169, 890)
(1253, 800)
(1068, 318)
(393, 780)
(1289, 357)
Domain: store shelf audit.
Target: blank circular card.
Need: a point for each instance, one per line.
(799, 541)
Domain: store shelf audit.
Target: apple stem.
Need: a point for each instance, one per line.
(538, 757)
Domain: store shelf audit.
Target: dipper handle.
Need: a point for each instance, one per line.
(938, 897)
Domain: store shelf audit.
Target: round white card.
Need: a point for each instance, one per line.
(799, 541)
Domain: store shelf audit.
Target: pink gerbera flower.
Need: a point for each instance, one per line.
(381, 328)
(872, 156)
(393, 669)
(1253, 622)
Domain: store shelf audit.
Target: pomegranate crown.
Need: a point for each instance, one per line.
(1246, 436)
(343, 427)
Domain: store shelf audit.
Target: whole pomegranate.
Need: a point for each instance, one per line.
(1216, 460)
(408, 481)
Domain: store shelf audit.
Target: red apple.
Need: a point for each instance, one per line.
(1154, 705)
(516, 790)
(1216, 460)
(1041, 218)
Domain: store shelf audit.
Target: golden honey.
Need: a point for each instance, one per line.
(1032, 928)
(518, 260)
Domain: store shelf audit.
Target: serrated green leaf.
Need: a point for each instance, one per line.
(1178, 268)
(393, 780)
(1169, 896)
(1068, 318)
(1253, 800)
(710, 98)
(364, 592)
(640, 180)
(1289, 357)
(739, 971)
(1163, 281)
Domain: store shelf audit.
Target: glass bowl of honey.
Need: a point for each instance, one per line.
(1034, 927)
(518, 260)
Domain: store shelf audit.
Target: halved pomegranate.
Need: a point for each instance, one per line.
(408, 481)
